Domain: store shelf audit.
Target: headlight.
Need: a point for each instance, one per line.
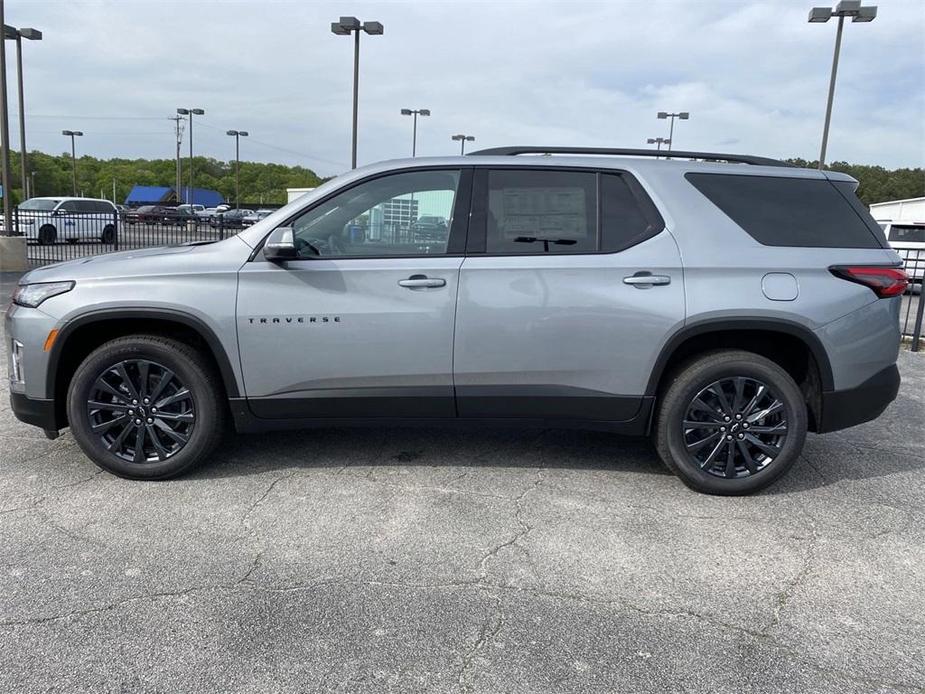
(32, 295)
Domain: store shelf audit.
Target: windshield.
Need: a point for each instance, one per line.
(39, 204)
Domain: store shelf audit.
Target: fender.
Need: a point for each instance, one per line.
(175, 316)
(713, 325)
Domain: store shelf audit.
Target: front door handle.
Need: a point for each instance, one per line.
(645, 280)
(422, 282)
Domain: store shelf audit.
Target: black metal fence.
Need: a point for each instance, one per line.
(52, 238)
(913, 306)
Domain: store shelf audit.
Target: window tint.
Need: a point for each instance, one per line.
(401, 214)
(69, 206)
(541, 212)
(102, 207)
(623, 223)
(779, 211)
(907, 233)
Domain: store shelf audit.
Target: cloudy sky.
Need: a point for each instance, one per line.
(753, 74)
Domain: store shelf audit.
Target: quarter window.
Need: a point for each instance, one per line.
(398, 215)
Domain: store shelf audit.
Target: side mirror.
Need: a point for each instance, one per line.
(280, 245)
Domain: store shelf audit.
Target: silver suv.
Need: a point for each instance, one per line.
(722, 304)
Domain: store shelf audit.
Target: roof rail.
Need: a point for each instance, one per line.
(672, 154)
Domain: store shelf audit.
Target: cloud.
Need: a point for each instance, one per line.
(752, 74)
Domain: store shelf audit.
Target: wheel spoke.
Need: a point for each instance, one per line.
(103, 427)
(697, 445)
(162, 452)
(161, 384)
(730, 460)
(177, 417)
(740, 393)
(108, 406)
(181, 394)
(123, 374)
(694, 424)
(717, 390)
(773, 408)
(115, 392)
(713, 453)
(750, 407)
(700, 406)
(143, 368)
(747, 457)
(779, 428)
(766, 448)
(175, 435)
(119, 441)
(140, 445)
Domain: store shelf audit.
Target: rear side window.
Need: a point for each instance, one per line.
(783, 211)
(623, 222)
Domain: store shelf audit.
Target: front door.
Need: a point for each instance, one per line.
(361, 325)
(570, 286)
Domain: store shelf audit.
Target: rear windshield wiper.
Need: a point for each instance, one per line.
(545, 241)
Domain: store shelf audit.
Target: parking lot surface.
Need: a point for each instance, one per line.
(430, 560)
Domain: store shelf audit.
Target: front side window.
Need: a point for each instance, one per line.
(397, 215)
(541, 212)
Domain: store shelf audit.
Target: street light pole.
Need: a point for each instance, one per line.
(237, 134)
(463, 139)
(415, 112)
(820, 15)
(683, 115)
(345, 27)
(659, 141)
(190, 112)
(5, 137)
(72, 134)
(18, 35)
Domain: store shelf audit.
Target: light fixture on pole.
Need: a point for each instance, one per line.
(819, 15)
(18, 35)
(237, 135)
(659, 141)
(683, 115)
(345, 27)
(414, 132)
(463, 139)
(190, 112)
(72, 134)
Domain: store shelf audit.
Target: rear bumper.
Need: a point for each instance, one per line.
(39, 413)
(846, 408)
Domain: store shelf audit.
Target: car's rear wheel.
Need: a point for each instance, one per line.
(730, 422)
(109, 234)
(145, 407)
(47, 235)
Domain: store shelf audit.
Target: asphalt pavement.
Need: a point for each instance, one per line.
(428, 560)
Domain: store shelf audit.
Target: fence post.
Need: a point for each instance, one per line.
(917, 329)
(115, 230)
(221, 227)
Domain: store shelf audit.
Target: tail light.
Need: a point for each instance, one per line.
(883, 281)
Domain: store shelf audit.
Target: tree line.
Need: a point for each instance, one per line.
(267, 183)
(260, 183)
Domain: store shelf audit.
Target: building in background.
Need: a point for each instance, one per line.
(167, 195)
(910, 209)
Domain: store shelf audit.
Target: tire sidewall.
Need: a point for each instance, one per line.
(700, 376)
(194, 378)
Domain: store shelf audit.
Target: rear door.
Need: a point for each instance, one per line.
(569, 287)
(362, 324)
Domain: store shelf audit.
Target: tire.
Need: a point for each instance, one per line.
(47, 235)
(699, 454)
(195, 418)
(109, 234)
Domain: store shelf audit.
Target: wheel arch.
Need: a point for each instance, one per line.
(792, 346)
(85, 333)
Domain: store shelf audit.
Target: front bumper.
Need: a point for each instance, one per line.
(846, 408)
(39, 413)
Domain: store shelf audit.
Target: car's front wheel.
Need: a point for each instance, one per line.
(47, 235)
(109, 234)
(730, 422)
(145, 407)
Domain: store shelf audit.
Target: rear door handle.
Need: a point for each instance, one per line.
(644, 280)
(422, 282)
